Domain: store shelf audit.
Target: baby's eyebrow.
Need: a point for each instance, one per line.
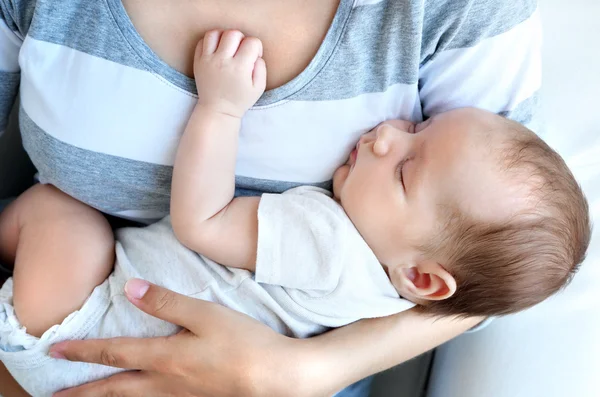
(420, 156)
(423, 124)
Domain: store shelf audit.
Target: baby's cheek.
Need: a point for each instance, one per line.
(339, 178)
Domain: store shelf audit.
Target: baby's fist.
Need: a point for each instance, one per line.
(230, 72)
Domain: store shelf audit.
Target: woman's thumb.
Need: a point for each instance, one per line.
(162, 303)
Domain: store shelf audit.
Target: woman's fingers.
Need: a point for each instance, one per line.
(163, 303)
(196, 315)
(127, 384)
(152, 354)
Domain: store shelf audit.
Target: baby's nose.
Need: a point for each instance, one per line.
(388, 131)
(367, 137)
(402, 125)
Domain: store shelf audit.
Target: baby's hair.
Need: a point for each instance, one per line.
(509, 266)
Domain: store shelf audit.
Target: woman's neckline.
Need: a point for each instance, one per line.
(156, 65)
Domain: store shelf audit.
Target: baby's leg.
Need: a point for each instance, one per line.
(61, 248)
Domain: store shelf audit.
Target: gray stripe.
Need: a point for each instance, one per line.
(109, 183)
(527, 113)
(115, 184)
(379, 48)
(86, 26)
(465, 23)
(9, 85)
(17, 14)
(327, 49)
(120, 20)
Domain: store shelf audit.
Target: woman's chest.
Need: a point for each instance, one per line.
(292, 31)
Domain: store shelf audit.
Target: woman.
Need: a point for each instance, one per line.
(106, 90)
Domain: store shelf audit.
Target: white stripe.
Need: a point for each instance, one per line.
(74, 97)
(9, 49)
(359, 3)
(496, 74)
(306, 141)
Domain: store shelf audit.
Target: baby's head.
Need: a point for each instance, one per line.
(470, 213)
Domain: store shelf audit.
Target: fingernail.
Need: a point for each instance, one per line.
(57, 355)
(136, 288)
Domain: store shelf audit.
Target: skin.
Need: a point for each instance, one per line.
(214, 357)
(291, 38)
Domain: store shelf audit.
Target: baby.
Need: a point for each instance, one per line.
(465, 214)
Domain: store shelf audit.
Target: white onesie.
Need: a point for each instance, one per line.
(313, 272)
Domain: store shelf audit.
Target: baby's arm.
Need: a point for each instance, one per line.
(231, 76)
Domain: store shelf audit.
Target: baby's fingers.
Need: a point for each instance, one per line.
(259, 76)
(230, 42)
(209, 43)
(250, 50)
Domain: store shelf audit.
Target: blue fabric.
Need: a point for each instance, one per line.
(359, 389)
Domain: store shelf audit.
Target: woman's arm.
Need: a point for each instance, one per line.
(370, 346)
(226, 353)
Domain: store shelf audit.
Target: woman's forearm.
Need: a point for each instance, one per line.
(366, 347)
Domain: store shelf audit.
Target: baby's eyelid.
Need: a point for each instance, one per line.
(399, 172)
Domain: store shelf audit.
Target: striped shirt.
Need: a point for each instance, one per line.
(101, 114)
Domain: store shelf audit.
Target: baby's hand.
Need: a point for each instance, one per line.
(230, 72)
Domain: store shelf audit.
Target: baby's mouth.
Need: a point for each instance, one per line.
(352, 158)
(354, 154)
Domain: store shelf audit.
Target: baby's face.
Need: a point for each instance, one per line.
(400, 176)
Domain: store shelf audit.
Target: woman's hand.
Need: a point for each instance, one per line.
(221, 353)
(225, 353)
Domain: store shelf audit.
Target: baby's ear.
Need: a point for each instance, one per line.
(426, 281)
